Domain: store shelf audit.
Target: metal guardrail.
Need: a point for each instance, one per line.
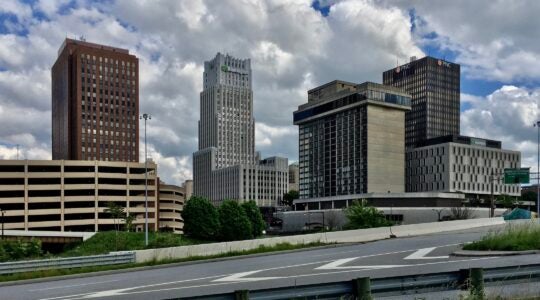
(401, 285)
(67, 263)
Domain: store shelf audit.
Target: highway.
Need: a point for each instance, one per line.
(391, 257)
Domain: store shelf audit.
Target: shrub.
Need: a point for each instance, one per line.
(361, 215)
(201, 219)
(234, 222)
(461, 213)
(14, 250)
(255, 218)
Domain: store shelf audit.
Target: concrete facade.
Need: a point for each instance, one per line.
(294, 177)
(171, 203)
(351, 140)
(461, 167)
(66, 195)
(226, 165)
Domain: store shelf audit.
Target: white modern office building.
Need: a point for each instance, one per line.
(460, 164)
(226, 165)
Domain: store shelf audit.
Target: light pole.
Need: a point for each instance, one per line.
(537, 125)
(3, 212)
(145, 117)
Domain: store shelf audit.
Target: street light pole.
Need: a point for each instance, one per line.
(2, 211)
(538, 172)
(145, 117)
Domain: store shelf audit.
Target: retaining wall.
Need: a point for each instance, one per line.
(349, 236)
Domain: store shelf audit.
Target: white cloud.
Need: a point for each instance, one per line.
(293, 48)
(494, 40)
(508, 114)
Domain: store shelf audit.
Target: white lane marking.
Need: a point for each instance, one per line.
(117, 291)
(240, 277)
(337, 265)
(356, 251)
(73, 285)
(286, 277)
(421, 254)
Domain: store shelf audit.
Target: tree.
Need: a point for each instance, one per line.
(128, 220)
(234, 222)
(361, 215)
(289, 197)
(200, 219)
(117, 212)
(255, 217)
(529, 196)
(505, 201)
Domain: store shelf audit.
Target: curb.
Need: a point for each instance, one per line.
(476, 253)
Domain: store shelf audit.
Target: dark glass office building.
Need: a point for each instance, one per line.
(434, 86)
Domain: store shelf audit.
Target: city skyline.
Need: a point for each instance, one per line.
(500, 81)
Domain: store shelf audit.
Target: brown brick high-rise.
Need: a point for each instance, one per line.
(95, 103)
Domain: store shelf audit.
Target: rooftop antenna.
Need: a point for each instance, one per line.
(82, 38)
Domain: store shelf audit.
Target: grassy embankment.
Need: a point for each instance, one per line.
(518, 237)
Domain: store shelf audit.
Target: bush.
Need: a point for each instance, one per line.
(234, 222)
(201, 219)
(461, 213)
(361, 215)
(19, 249)
(255, 218)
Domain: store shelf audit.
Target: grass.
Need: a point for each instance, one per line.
(108, 241)
(60, 272)
(519, 237)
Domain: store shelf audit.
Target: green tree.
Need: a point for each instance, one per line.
(128, 220)
(361, 215)
(255, 217)
(234, 222)
(529, 196)
(505, 201)
(201, 219)
(289, 197)
(117, 212)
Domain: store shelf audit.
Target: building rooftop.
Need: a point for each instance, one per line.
(68, 41)
(461, 139)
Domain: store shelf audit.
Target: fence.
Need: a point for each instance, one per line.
(363, 288)
(67, 263)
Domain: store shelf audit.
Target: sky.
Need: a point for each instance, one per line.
(294, 45)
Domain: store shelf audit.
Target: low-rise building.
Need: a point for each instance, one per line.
(171, 203)
(461, 164)
(71, 195)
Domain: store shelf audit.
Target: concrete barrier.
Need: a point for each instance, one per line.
(349, 236)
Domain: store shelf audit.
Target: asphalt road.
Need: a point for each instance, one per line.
(392, 257)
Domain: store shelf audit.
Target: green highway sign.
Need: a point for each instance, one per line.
(516, 176)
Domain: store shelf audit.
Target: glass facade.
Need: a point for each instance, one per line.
(434, 85)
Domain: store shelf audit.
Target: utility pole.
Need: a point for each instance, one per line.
(491, 209)
(538, 172)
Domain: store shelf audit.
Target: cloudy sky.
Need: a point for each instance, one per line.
(294, 45)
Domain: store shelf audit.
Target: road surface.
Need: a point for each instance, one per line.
(392, 257)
